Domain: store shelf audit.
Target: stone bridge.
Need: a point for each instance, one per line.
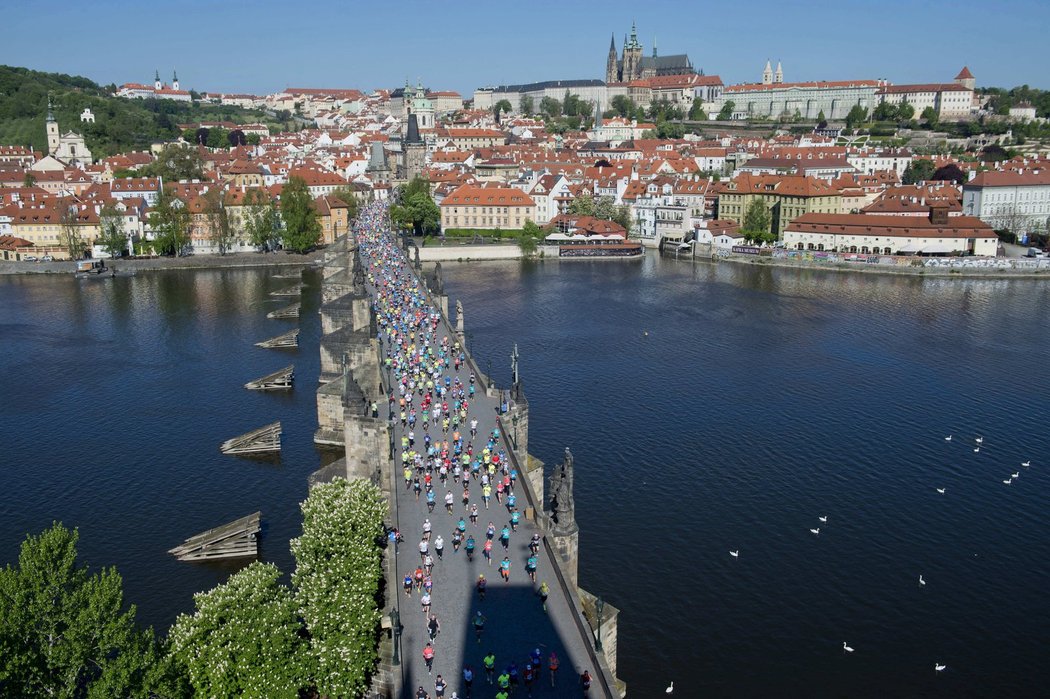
(353, 377)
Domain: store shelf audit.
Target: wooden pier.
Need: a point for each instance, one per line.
(264, 440)
(286, 312)
(278, 380)
(288, 339)
(293, 290)
(238, 539)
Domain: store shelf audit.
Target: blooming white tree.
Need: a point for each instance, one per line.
(336, 580)
(244, 638)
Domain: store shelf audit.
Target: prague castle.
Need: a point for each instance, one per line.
(632, 65)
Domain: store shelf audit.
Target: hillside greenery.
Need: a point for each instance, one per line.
(120, 124)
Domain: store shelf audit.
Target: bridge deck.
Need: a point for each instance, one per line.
(515, 620)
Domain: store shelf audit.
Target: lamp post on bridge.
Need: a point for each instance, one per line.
(598, 640)
(395, 628)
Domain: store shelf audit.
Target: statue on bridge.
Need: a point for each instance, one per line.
(439, 283)
(358, 271)
(459, 316)
(563, 507)
(418, 264)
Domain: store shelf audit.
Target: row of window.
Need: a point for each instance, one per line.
(453, 221)
(864, 250)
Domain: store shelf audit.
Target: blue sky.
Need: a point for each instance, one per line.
(265, 46)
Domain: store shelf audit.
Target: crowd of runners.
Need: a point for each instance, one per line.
(454, 466)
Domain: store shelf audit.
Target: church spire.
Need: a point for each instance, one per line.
(612, 43)
(50, 112)
(654, 46)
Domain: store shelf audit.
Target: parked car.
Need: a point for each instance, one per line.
(30, 258)
(47, 258)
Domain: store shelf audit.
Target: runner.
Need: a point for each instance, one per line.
(428, 657)
(481, 585)
(479, 623)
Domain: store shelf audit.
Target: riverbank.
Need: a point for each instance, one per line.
(893, 266)
(238, 260)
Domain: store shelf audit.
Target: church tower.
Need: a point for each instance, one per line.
(778, 77)
(767, 74)
(632, 56)
(174, 80)
(414, 150)
(157, 84)
(52, 130)
(611, 69)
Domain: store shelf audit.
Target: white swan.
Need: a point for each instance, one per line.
(921, 581)
(1015, 475)
(735, 554)
(948, 438)
(979, 440)
(976, 449)
(823, 519)
(1008, 481)
(1026, 464)
(815, 531)
(938, 668)
(941, 490)
(670, 689)
(845, 647)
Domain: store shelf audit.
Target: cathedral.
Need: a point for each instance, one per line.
(632, 65)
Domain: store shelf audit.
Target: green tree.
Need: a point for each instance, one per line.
(821, 119)
(929, 115)
(573, 105)
(857, 115)
(252, 139)
(111, 235)
(220, 227)
(244, 638)
(262, 222)
(503, 106)
(726, 113)
(65, 632)
(918, 170)
(218, 138)
(905, 112)
(669, 129)
(550, 107)
(624, 106)
(72, 241)
(176, 162)
(29, 179)
(417, 209)
(885, 112)
(301, 227)
(170, 221)
(622, 216)
(525, 105)
(756, 223)
(696, 112)
(336, 581)
(582, 205)
(529, 239)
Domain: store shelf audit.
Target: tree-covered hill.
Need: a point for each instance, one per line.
(120, 124)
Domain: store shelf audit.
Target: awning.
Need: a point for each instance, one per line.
(910, 247)
(938, 248)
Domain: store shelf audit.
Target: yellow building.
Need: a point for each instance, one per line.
(43, 226)
(470, 206)
(786, 196)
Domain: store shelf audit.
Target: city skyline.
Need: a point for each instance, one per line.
(465, 46)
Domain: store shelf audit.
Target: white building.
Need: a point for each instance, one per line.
(158, 91)
(1018, 200)
(68, 147)
(808, 99)
(950, 101)
(937, 234)
(869, 162)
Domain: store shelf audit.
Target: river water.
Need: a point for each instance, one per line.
(709, 408)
